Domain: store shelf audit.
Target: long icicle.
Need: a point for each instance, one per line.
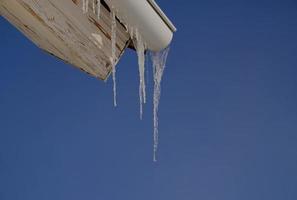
(87, 6)
(113, 55)
(159, 62)
(140, 49)
(83, 5)
(93, 6)
(98, 8)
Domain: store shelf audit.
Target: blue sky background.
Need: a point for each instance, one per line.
(228, 114)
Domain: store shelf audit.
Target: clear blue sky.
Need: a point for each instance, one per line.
(228, 114)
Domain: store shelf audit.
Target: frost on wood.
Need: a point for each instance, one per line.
(140, 49)
(113, 55)
(159, 62)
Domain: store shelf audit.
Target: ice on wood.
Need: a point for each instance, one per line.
(98, 8)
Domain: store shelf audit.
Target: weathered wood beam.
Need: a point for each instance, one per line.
(60, 28)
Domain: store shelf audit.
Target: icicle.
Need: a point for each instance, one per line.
(94, 5)
(87, 6)
(83, 5)
(113, 54)
(140, 48)
(98, 8)
(159, 62)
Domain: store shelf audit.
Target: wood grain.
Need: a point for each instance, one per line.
(61, 29)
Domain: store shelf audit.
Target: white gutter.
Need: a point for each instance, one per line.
(162, 15)
(147, 17)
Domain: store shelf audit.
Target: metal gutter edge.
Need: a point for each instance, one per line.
(162, 15)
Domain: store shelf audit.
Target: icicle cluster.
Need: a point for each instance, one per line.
(159, 62)
(96, 7)
(85, 5)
